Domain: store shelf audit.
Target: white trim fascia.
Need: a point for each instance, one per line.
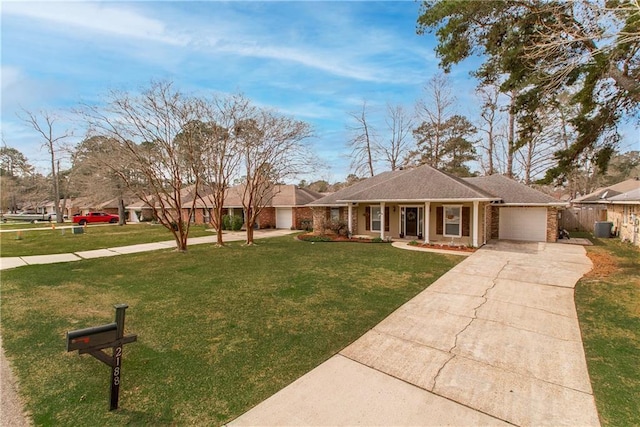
(594, 202)
(417, 201)
(625, 202)
(327, 205)
(566, 204)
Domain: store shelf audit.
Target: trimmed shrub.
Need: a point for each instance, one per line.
(306, 224)
(231, 222)
(337, 227)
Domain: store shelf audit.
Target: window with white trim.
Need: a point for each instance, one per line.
(452, 221)
(375, 218)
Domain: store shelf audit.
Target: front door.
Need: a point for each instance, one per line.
(411, 222)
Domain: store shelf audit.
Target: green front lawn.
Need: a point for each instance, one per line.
(219, 329)
(62, 240)
(608, 304)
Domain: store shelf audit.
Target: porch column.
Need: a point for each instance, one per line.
(382, 220)
(427, 220)
(350, 219)
(476, 208)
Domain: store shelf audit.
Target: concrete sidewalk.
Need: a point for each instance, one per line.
(495, 341)
(13, 262)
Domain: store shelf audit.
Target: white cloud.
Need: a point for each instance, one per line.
(95, 17)
(9, 76)
(307, 57)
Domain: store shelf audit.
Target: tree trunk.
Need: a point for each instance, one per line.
(183, 236)
(490, 150)
(219, 224)
(56, 184)
(511, 137)
(121, 212)
(250, 233)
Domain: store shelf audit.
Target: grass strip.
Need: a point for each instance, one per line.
(608, 305)
(62, 240)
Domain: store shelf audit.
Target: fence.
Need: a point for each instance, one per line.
(582, 218)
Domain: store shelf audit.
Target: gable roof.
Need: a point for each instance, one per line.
(283, 196)
(291, 195)
(603, 193)
(512, 192)
(630, 197)
(426, 183)
(417, 184)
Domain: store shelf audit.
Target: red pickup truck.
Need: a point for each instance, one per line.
(92, 217)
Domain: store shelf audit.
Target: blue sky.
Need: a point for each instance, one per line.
(315, 61)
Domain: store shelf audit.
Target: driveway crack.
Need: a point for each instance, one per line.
(474, 317)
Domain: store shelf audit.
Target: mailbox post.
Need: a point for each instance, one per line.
(94, 340)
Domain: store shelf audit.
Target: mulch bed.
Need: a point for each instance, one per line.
(333, 238)
(444, 247)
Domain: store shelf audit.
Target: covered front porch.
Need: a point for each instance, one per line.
(452, 223)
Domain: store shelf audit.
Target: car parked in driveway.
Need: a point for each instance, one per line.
(95, 217)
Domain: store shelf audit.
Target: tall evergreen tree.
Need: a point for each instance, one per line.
(543, 47)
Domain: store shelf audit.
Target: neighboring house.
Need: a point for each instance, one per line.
(284, 207)
(624, 213)
(429, 205)
(138, 210)
(81, 205)
(84, 205)
(49, 208)
(586, 210)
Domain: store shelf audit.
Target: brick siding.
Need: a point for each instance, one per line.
(267, 218)
(552, 224)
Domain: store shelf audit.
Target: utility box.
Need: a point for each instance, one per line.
(602, 229)
(78, 230)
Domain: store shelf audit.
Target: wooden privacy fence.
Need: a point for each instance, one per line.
(582, 218)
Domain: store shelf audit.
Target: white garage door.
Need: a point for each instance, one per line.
(284, 217)
(528, 224)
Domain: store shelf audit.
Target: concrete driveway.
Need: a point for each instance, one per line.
(495, 341)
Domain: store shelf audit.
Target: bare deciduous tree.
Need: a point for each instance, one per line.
(43, 123)
(434, 111)
(273, 151)
(362, 143)
(399, 127)
(153, 135)
(221, 152)
(490, 126)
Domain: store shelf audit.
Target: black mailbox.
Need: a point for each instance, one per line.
(92, 338)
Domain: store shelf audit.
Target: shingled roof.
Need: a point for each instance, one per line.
(283, 196)
(630, 197)
(427, 183)
(603, 193)
(510, 191)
